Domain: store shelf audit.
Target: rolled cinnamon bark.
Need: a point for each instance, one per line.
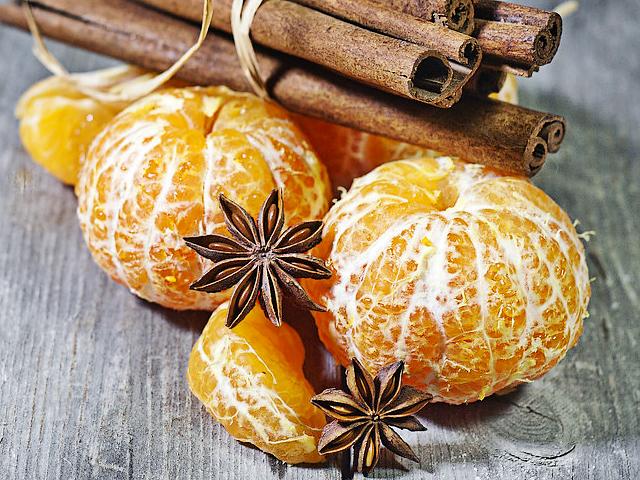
(456, 46)
(493, 133)
(462, 51)
(515, 45)
(553, 133)
(516, 13)
(404, 68)
(455, 14)
(520, 48)
(519, 37)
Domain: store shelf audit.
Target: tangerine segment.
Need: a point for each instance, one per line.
(350, 153)
(154, 174)
(477, 280)
(57, 123)
(58, 120)
(509, 91)
(250, 379)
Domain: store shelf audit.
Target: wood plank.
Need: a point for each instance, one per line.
(92, 380)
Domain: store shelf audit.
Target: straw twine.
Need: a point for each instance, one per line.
(242, 14)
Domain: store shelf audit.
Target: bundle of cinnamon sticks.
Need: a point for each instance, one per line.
(368, 64)
(420, 49)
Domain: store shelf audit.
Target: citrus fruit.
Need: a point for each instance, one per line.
(250, 379)
(475, 279)
(509, 91)
(154, 174)
(348, 153)
(58, 121)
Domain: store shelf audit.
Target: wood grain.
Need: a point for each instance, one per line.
(92, 380)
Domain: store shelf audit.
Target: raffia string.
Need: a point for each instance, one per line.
(134, 88)
(567, 8)
(242, 15)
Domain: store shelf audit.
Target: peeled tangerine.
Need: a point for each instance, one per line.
(250, 379)
(350, 153)
(154, 174)
(58, 121)
(475, 279)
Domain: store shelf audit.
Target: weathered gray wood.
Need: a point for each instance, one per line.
(92, 380)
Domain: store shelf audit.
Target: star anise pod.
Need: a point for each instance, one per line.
(365, 415)
(261, 260)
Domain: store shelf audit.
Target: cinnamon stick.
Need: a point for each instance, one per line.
(522, 47)
(455, 14)
(516, 13)
(391, 64)
(493, 133)
(519, 37)
(454, 45)
(462, 52)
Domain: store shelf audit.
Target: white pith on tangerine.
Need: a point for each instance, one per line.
(153, 176)
(477, 280)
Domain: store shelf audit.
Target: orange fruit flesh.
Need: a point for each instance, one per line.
(57, 124)
(58, 120)
(250, 379)
(350, 153)
(153, 176)
(509, 91)
(477, 280)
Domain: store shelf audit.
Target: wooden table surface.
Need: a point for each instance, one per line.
(92, 380)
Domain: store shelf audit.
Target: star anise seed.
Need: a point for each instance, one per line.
(364, 415)
(261, 261)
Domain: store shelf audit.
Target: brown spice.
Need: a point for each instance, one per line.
(517, 37)
(390, 63)
(515, 13)
(484, 131)
(514, 45)
(261, 261)
(455, 14)
(462, 51)
(364, 416)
